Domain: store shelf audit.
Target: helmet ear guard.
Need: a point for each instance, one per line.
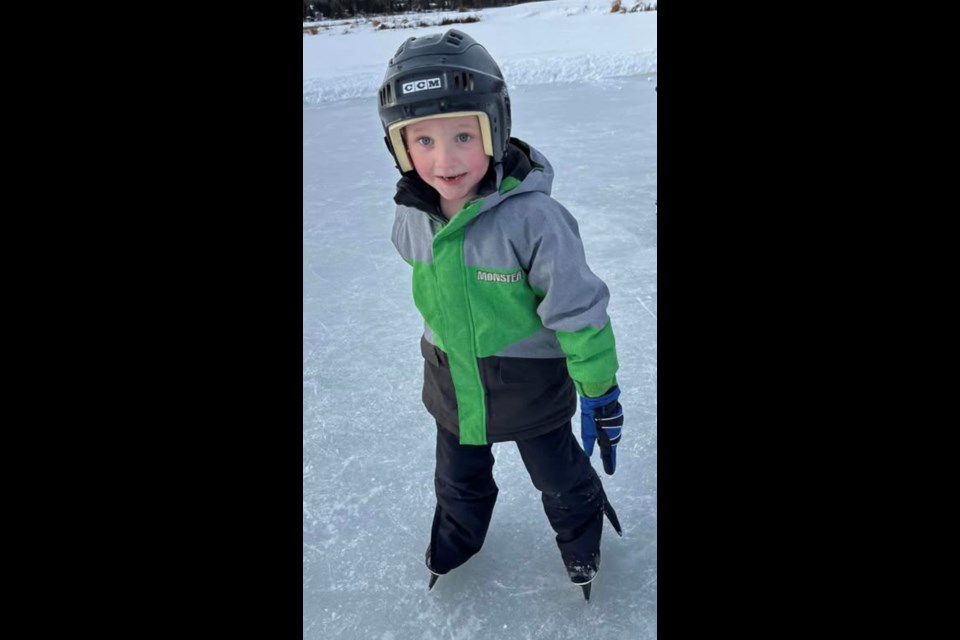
(399, 149)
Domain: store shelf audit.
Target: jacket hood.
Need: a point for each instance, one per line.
(523, 169)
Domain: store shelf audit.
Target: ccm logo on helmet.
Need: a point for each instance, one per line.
(421, 85)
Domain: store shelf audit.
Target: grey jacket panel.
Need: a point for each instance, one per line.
(542, 344)
(528, 229)
(574, 297)
(410, 228)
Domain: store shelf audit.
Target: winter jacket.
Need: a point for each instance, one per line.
(515, 323)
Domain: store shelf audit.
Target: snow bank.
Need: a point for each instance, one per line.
(534, 43)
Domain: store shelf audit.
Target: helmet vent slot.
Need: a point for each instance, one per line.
(455, 39)
(386, 94)
(463, 81)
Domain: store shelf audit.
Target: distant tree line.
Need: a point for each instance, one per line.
(318, 9)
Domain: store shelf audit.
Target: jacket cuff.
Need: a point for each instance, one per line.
(594, 389)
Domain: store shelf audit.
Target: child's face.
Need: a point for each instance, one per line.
(448, 155)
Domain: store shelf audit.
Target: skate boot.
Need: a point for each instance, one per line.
(582, 573)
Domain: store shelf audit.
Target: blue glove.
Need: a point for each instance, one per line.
(601, 420)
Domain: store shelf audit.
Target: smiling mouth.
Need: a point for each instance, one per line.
(452, 178)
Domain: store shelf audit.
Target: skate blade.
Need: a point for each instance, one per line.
(612, 517)
(586, 590)
(433, 581)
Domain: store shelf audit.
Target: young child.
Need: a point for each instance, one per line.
(515, 323)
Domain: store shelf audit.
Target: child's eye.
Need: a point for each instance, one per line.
(464, 137)
(424, 140)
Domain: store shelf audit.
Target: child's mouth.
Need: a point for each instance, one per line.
(452, 179)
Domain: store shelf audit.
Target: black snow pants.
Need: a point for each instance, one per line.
(572, 496)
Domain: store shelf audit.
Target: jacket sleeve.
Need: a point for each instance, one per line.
(573, 299)
(412, 235)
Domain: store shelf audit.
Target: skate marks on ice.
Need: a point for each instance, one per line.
(368, 444)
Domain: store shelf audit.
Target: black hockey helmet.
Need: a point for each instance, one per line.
(444, 75)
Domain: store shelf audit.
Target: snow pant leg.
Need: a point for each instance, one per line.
(466, 494)
(572, 494)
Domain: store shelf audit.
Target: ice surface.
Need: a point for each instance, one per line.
(368, 443)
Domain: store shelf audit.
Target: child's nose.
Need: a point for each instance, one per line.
(445, 154)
